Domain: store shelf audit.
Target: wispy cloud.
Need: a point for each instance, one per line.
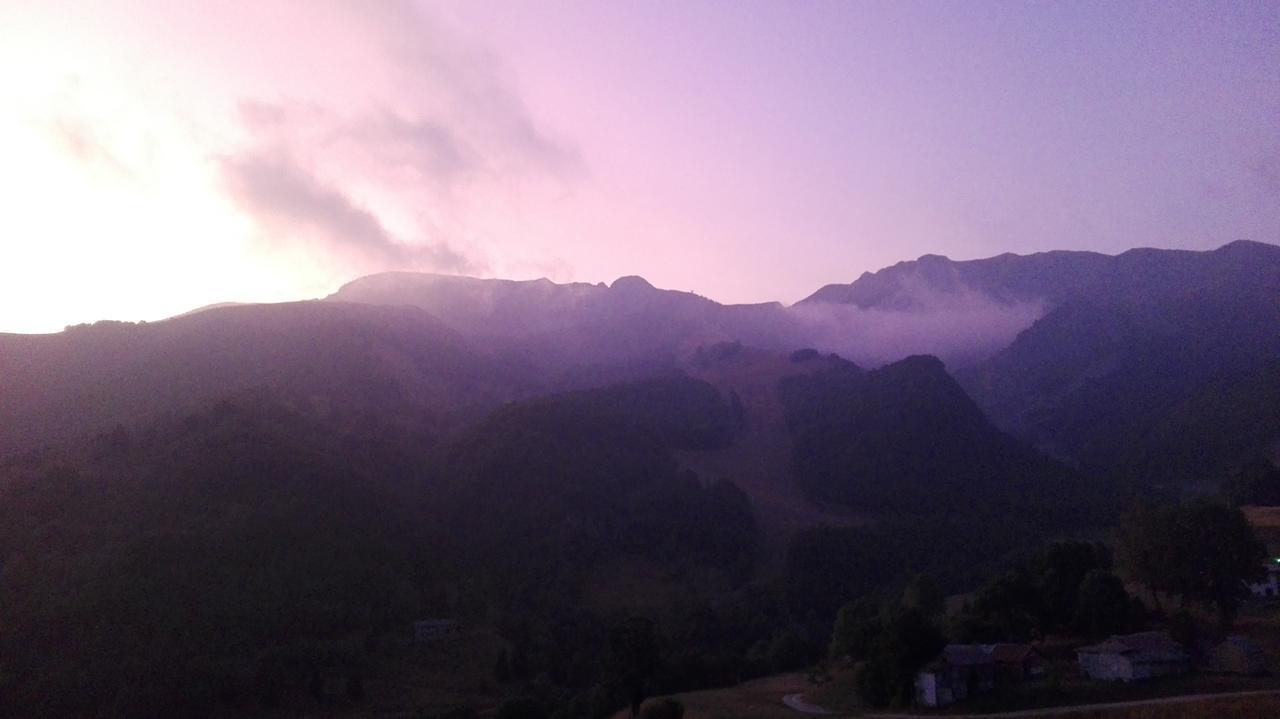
(82, 142)
(468, 88)
(295, 205)
(440, 143)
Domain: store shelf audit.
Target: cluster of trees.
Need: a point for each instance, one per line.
(1256, 481)
(1067, 587)
(825, 566)
(744, 635)
(576, 664)
(628, 668)
(1200, 551)
(891, 640)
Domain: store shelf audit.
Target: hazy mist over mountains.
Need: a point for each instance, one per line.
(950, 320)
(960, 311)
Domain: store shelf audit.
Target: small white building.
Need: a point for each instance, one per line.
(940, 684)
(1130, 657)
(961, 670)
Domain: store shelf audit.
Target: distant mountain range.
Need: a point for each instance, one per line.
(1092, 357)
(249, 497)
(1132, 355)
(1062, 276)
(580, 326)
(1104, 361)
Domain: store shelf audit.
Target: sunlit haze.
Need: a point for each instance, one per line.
(160, 156)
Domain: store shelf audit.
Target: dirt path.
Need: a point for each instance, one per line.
(797, 702)
(759, 460)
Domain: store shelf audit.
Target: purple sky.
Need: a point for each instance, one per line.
(160, 156)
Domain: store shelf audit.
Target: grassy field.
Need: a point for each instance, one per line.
(762, 699)
(757, 699)
(1071, 689)
(425, 679)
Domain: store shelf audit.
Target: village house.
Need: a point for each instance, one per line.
(1132, 657)
(941, 684)
(976, 660)
(959, 672)
(1017, 662)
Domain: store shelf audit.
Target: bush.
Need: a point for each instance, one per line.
(1102, 605)
(522, 708)
(663, 709)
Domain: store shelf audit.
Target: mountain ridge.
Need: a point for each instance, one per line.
(1092, 270)
(1046, 344)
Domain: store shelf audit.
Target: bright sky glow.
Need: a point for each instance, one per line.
(155, 157)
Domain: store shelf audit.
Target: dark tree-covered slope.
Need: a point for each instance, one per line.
(1105, 381)
(219, 560)
(580, 478)
(240, 557)
(331, 357)
(905, 438)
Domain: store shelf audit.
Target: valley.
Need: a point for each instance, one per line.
(245, 508)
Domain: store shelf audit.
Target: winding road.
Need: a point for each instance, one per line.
(796, 702)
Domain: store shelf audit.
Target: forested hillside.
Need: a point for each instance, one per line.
(235, 511)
